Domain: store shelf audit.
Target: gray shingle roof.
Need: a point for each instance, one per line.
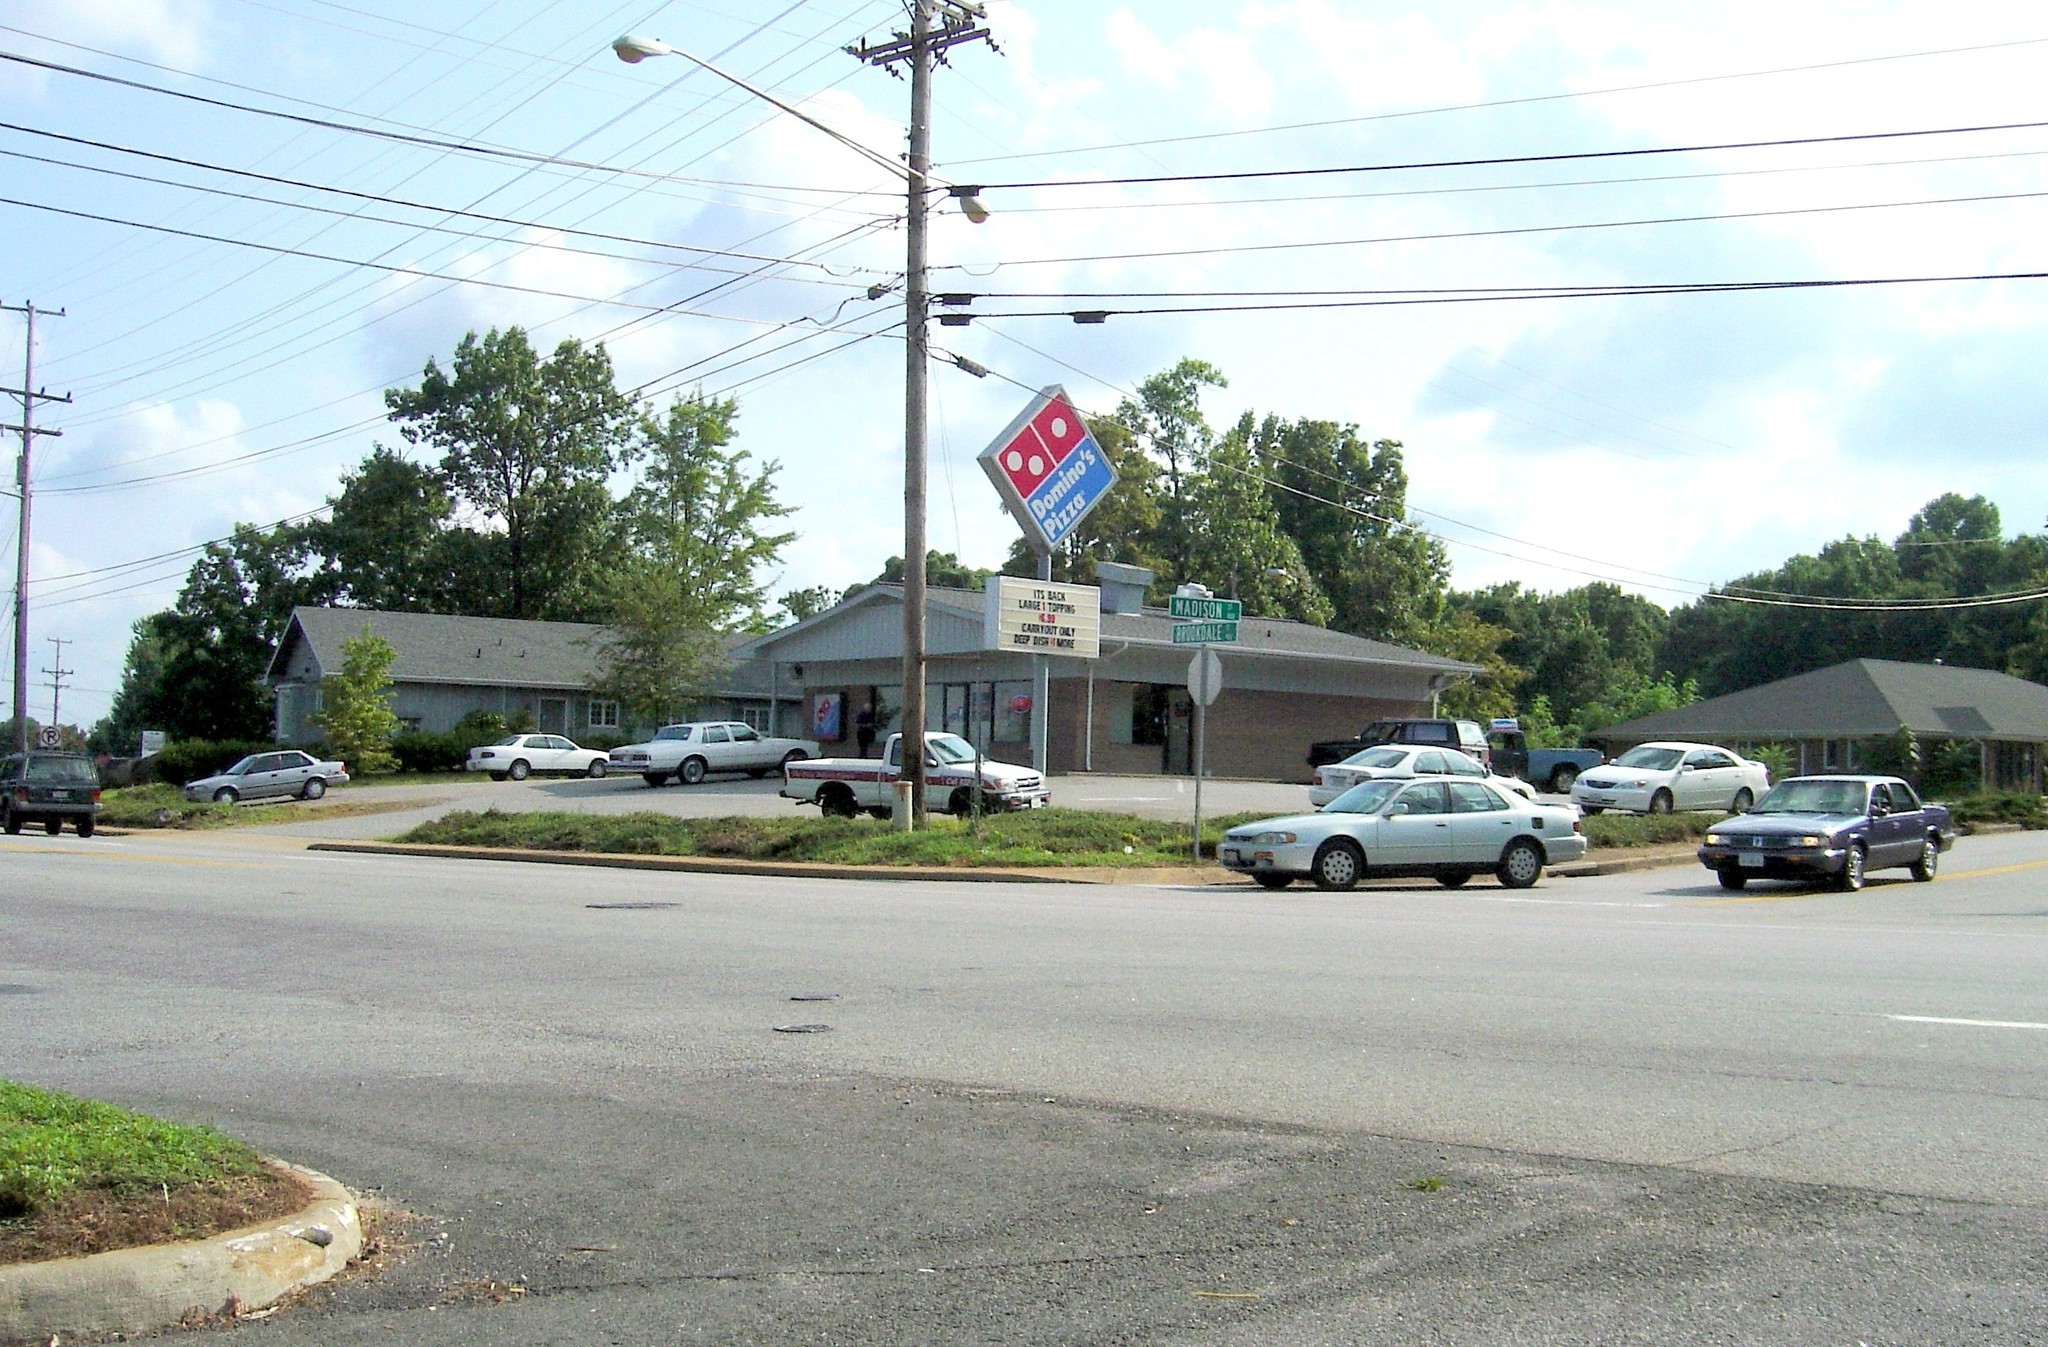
(1860, 699)
(435, 648)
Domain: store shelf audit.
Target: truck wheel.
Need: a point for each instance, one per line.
(85, 826)
(1930, 861)
(693, 771)
(12, 820)
(836, 801)
(1850, 878)
(53, 825)
(961, 803)
(1561, 779)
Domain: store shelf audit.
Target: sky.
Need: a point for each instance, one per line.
(256, 215)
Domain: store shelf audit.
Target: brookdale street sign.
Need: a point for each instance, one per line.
(1206, 610)
(1048, 469)
(1201, 633)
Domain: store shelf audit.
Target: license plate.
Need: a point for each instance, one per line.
(60, 794)
(1753, 859)
(1229, 856)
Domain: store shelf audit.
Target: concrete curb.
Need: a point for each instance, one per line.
(713, 865)
(1641, 858)
(145, 1289)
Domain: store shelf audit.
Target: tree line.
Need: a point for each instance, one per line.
(1303, 518)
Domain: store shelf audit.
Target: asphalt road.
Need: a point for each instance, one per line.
(1617, 1110)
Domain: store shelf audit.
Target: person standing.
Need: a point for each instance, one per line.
(864, 729)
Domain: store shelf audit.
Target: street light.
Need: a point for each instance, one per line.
(919, 181)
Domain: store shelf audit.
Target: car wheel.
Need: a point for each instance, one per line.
(1732, 879)
(794, 755)
(53, 826)
(1269, 881)
(757, 772)
(1590, 809)
(1521, 865)
(13, 820)
(693, 771)
(836, 801)
(1338, 865)
(313, 789)
(1561, 780)
(1924, 869)
(596, 770)
(85, 826)
(225, 795)
(1851, 877)
(1451, 879)
(519, 769)
(1742, 801)
(1660, 803)
(654, 778)
(497, 776)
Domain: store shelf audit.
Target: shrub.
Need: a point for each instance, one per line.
(431, 752)
(190, 759)
(2007, 807)
(1779, 759)
(1953, 767)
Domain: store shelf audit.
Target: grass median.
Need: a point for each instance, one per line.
(1030, 838)
(81, 1177)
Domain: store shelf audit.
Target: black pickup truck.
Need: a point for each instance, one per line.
(1464, 735)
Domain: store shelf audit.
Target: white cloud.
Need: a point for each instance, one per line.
(172, 32)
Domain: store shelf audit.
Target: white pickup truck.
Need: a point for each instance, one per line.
(843, 787)
(689, 752)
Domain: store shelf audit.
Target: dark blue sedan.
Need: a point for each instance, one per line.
(1830, 828)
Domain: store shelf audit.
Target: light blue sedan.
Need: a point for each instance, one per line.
(1448, 829)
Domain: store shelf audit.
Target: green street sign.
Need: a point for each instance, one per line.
(1206, 610)
(1201, 633)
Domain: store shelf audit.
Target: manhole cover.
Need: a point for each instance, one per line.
(631, 907)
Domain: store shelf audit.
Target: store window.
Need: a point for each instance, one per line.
(604, 715)
(1013, 712)
(1150, 708)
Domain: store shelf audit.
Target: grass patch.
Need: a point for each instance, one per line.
(162, 806)
(1626, 831)
(1038, 837)
(52, 1144)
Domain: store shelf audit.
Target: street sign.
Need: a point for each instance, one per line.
(1048, 469)
(1205, 677)
(1202, 633)
(47, 737)
(1207, 610)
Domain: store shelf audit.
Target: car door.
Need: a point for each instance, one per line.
(1416, 827)
(748, 750)
(716, 741)
(1482, 821)
(561, 754)
(265, 777)
(1701, 779)
(1889, 843)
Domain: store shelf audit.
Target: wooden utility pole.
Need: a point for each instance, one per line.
(30, 395)
(957, 22)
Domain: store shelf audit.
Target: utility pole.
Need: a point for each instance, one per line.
(957, 21)
(57, 677)
(30, 396)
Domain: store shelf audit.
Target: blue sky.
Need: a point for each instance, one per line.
(1661, 442)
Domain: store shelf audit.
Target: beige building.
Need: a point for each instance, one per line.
(1285, 684)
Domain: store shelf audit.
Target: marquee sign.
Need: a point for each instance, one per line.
(1048, 468)
(1042, 618)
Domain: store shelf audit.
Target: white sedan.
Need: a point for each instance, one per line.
(1404, 761)
(518, 756)
(1451, 829)
(1658, 778)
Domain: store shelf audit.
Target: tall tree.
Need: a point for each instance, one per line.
(693, 544)
(1166, 421)
(1239, 548)
(528, 443)
(388, 541)
(218, 639)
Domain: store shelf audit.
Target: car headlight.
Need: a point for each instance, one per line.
(1810, 840)
(1715, 839)
(1636, 784)
(1272, 839)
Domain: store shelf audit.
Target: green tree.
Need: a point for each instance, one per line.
(1456, 634)
(810, 601)
(1166, 422)
(1238, 547)
(528, 443)
(693, 545)
(389, 540)
(355, 710)
(942, 570)
(216, 642)
(142, 675)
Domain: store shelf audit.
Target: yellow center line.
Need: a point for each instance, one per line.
(97, 855)
(1994, 870)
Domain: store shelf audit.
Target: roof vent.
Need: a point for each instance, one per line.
(1123, 587)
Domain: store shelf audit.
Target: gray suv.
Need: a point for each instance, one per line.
(50, 787)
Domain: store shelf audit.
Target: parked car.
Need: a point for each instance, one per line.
(41, 786)
(519, 755)
(1554, 769)
(1658, 778)
(1403, 760)
(953, 777)
(264, 776)
(1451, 829)
(1835, 828)
(1463, 735)
(688, 753)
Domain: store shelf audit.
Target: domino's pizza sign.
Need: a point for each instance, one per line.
(1048, 468)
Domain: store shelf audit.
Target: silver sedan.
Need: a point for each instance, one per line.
(1448, 829)
(261, 776)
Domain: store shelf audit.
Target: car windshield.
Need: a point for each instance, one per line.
(949, 748)
(241, 767)
(52, 771)
(509, 741)
(1377, 757)
(1812, 797)
(674, 732)
(1651, 759)
(1366, 797)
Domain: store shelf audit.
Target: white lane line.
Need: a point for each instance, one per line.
(1971, 1024)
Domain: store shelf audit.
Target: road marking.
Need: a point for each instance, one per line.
(1994, 870)
(109, 854)
(1968, 1024)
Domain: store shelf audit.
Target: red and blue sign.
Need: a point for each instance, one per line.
(1048, 468)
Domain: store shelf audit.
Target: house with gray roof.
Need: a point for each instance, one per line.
(1285, 684)
(1833, 714)
(446, 667)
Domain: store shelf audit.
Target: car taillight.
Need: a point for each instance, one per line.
(1319, 776)
(1578, 825)
(21, 794)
